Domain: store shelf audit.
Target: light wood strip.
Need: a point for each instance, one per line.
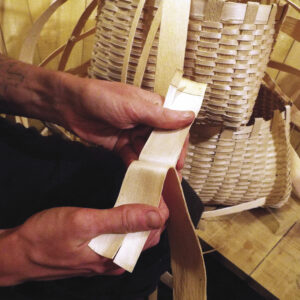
(140, 70)
(59, 50)
(284, 68)
(234, 209)
(172, 42)
(246, 238)
(75, 34)
(294, 5)
(152, 159)
(3, 49)
(132, 32)
(291, 27)
(28, 47)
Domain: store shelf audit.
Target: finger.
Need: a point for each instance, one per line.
(154, 236)
(124, 149)
(180, 162)
(153, 239)
(150, 96)
(138, 145)
(143, 112)
(138, 138)
(122, 219)
(116, 272)
(163, 209)
(128, 154)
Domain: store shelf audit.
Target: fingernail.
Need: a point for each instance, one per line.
(154, 219)
(188, 115)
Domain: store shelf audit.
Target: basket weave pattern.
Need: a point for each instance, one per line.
(229, 51)
(230, 167)
(231, 57)
(228, 46)
(113, 26)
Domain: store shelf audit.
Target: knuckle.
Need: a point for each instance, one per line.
(79, 219)
(126, 219)
(97, 268)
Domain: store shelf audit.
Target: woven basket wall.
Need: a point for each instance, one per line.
(228, 50)
(230, 167)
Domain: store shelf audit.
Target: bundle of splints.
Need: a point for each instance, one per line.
(208, 56)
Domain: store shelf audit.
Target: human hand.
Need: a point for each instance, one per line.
(113, 114)
(53, 244)
(105, 113)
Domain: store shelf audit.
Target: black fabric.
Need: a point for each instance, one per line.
(42, 172)
(38, 173)
(194, 204)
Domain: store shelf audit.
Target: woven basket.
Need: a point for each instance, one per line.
(228, 49)
(231, 167)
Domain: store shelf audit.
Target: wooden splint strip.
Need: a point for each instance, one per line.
(234, 209)
(144, 182)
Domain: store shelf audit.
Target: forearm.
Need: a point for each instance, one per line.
(30, 91)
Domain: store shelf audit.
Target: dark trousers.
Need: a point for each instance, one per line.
(38, 173)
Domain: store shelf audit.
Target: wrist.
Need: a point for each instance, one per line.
(13, 261)
(67, 92)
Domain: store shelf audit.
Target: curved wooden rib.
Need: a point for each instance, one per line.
(59, 50)
(2, 43)
(81, 70)
(28, 47)
(140, 70)
(134, 25)
(294, 5)
(76, 32)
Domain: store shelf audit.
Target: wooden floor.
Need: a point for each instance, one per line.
(264, 244)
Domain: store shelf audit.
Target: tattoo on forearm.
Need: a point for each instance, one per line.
(10, 75)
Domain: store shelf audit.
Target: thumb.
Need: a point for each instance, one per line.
(124, 219)
(157, 116)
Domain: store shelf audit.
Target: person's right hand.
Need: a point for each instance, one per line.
(53, 244)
